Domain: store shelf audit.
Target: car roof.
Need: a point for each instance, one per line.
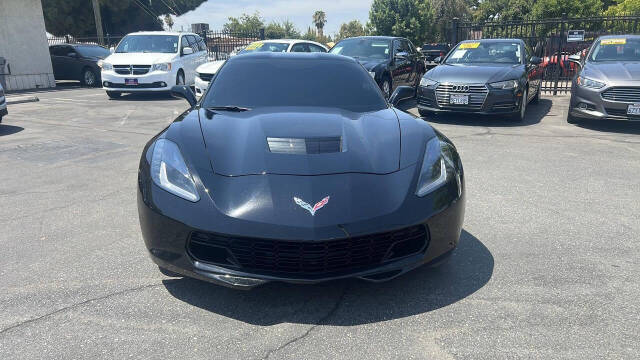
(292, 55)
(162, 33)
(289, 41)
(375, 37)
(492, 40)
(627, 36)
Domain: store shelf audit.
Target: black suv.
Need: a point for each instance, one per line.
(391, 61)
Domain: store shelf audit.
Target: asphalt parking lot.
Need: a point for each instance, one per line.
(547, 266)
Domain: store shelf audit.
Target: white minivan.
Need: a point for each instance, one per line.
(152, 61)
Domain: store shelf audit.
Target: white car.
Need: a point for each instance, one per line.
(152, 61)
(205, 72)
(3, 104)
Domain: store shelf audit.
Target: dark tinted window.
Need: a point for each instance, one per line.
(316, 48)
(299, 47)
(193, 43)
(93, 51)
(202, 45)
(274, 81)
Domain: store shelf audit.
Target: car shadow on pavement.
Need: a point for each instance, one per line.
(535, 114)
(347, 302)
(9, 129)
(622, 127)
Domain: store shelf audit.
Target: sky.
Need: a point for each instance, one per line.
(216, 12)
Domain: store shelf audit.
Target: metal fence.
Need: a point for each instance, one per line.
(106, 41)
(549, 40)
(223, 44)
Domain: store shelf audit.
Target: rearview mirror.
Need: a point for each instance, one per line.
(535, 60)
(187, 51)
(402, 93)
(184, 92)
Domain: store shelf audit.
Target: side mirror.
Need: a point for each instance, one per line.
(535, 60)
(402, 93)
(187, 51)
(184, 92)
(438, 60)
(112, 49)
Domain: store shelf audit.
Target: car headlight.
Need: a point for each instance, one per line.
(427, 82)
(373, 74)
(105, 65)
(169, 171)
(161, 67)
(505, 85)
(438, 160)
(590, 83)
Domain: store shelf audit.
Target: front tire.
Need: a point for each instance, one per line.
(386, 87)
(536, 99)
(113, 94)
(520, 115)
(89, 78)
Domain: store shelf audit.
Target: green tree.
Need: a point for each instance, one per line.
(408, 18)
(446, 10)
(624, 7)
(281, 30)
(245, 23)
(351, 29)
(544, 9)
(319, 19)
(168, 21)
(75, 17)
(503, 10)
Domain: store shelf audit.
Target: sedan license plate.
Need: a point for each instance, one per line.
(456, 99)
(131, 81)
(633, 109)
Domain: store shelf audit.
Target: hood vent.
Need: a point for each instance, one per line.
(305, 146)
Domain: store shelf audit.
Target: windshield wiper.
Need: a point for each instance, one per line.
(228, 108)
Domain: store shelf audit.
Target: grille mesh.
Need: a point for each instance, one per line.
(623, 94)
(131, 69)
(310, 258)
(477, 95)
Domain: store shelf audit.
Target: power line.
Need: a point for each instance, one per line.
(148, 11)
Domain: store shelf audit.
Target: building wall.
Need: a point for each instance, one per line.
(23, 42)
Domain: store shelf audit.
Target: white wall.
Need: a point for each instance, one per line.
(23, 42)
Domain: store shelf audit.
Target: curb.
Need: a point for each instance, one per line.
(21, 99)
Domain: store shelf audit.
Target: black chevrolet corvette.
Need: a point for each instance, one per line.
(293, 167)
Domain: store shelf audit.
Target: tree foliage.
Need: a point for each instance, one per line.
(319, 20)
(503, 10)
(281, 30)
(244, 23)
(544, 9)
(412, 19)
(351, 29)
(623, 7)
(75, 17)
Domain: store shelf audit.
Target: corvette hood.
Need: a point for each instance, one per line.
(613, 71)
(139, 58)
(475, 74)
(301, 141)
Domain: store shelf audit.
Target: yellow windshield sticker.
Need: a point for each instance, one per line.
(470, 45)
(255, 45)
(613, 41)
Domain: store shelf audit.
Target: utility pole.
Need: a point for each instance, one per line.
(98, 17)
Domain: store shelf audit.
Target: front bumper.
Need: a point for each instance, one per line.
(201, 86)
(495, 101)
(151, 81)
(588, 104)
(169, 234)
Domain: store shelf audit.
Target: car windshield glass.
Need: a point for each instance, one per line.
(434, 48)
(260, 46)
(93, 51)
(148, 44)
(486, 52)
(252, 83)
(365, 48)
(620, 49)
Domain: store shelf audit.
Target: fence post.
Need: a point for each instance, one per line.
(453, 36)
(261, 33)
(561, 40)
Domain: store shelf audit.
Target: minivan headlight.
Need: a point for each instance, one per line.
(169, 171)
(161, 67)
(589, 83)
(437, 161)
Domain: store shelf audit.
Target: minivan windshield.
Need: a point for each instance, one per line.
(253, 81)
(363, 48)
(148, 44)
(618, 49)
(474, 52)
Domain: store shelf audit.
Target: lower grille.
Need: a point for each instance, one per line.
(620, 114)
(307, 259)
(623, 94)
(157, 84)
(477, 95)
(131, 69)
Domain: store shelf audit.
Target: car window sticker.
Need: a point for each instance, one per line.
(255, 45)
(458, 54)
(471, 45)
(613, 41)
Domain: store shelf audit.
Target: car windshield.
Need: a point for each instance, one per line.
(93, 51)
(429, 47)
(148, 44)
(365, 48)
(261, 46)
(620, 49)
(252, 83)
(486, 52)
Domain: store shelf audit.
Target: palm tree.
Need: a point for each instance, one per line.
(319, 19)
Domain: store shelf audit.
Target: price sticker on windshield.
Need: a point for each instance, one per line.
(255, 45)
(470, 45)
(613, 41)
